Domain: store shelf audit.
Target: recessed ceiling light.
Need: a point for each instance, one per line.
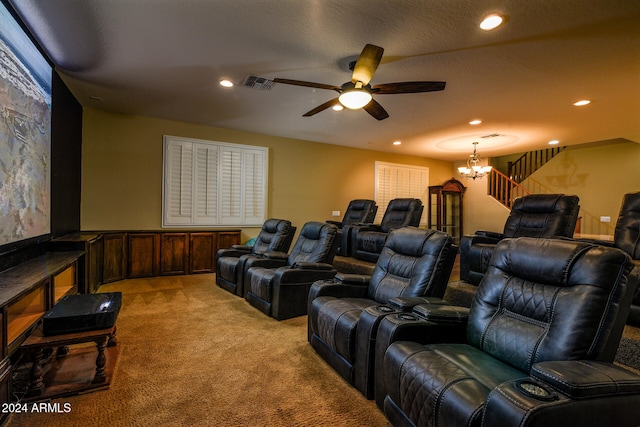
(582, 102)
(337, 107)
(491, 21)
(475, 122)
(397, 142)
(554, 142)
(226, 83)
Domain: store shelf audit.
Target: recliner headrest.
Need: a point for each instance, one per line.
(273, 225)
(404, 204)
(312, 230)
(543, 203)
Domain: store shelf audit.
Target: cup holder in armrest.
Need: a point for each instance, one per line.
(405, 316)
(384, 309)
(536, 390)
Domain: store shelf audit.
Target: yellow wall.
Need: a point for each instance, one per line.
(599, 174)
(122, 172)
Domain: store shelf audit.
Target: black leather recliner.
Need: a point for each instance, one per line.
(276, 235)
(359, 211)
(534, 215)
(537, 350)
(367, 240)
(344, 312)
(278, 284)
(626, 237)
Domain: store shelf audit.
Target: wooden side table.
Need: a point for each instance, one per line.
(70, 371)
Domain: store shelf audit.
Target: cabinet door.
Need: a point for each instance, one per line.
(94, 259)
(202, 252)
(226, 239)
(143, 254)
(114, 261)
(174, 253)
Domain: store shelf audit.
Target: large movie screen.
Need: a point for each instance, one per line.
(25, 135)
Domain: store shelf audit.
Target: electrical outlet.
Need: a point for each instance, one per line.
(605, 219)
(335, 213)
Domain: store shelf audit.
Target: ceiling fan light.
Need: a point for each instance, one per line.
(355, 98)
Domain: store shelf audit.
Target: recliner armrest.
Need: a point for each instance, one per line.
(442, 313)
(289, 274)
(407, 303)
(490, 234)
(337, 289)
(353, 279)
(243, 248)
(580, 379)
(275, 255)
(312, 266)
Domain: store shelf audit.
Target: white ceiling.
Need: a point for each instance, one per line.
(164, 58)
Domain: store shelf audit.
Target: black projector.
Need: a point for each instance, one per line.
(83, 312)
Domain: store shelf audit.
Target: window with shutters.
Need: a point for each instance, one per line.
(209, 183)
(395, 181)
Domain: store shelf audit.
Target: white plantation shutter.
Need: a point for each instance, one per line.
(395, 181)
(254, 188)
(205, 185)
(178, 180)
(210, 183)
(231, 195)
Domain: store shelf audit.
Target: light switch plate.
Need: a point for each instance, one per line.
(605, 219)
(335, 213)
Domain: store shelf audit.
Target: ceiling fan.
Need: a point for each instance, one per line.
(358, 92)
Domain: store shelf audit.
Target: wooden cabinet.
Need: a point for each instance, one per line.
(117, 255)
(143, 254)
(89, 268)
(445, 208)
(226, 239)
(114, 257)
(202, 252)
(174, 253)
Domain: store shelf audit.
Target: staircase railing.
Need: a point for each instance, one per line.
(504, 189)
(530, 162)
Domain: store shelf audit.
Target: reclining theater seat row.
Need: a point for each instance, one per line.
(534, 215)
(359, 211)
(344, 312)
(276, 235)
(278, 284)
(367, 240)
(537, 350)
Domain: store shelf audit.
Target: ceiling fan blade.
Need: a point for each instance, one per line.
(376, 110)
(322, 107)
(307, 84)
(408, 87)
(366, 64)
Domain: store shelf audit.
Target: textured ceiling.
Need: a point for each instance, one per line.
(164, 58)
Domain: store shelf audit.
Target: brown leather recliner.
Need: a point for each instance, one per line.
(537, 350)
(534, 215)
(275, 235)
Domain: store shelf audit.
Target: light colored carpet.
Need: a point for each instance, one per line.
(193, 354)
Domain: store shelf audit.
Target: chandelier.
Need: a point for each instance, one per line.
(473, 169)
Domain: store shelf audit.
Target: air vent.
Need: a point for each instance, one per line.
(255, 82)
(493, 135)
